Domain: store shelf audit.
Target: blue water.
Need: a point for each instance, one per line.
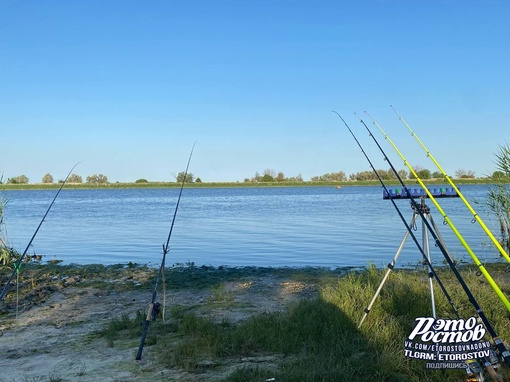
(310, 226)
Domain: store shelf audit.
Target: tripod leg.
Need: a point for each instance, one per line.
(426, 248)
(390, 268)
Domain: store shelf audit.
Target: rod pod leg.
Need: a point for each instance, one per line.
(388, 271)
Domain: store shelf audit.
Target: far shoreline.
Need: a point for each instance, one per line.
(142, 185)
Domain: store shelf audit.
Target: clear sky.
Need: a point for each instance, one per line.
(125, 87)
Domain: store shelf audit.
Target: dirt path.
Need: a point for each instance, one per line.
(53, 340)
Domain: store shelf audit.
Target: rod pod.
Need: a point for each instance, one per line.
(476, 217)
(409, 227)
(454, 229)
(490, 366)
(497, 341)
(425, 249)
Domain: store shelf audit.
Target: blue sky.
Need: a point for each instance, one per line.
(126, 87)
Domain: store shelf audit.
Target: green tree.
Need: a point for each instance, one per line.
(496, 175)
(464, 174)
(331, 177)
(20, 179)
(422, 173)
(97, 179)
(141, 181)
(267, 178)
(297, 178)
(383, 174)
(73, 178)
(270, 172)
(257, 177)
(47, 178)
(180, 177)
(403, 174)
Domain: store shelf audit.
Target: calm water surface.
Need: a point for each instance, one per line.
(310, 226)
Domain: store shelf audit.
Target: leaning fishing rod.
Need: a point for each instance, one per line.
(497, 341)
(154, 307)
(490, 367)
(18, 263)
(476, 217)
(454, 229)
(432, 272)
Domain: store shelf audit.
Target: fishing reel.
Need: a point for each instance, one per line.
(156, 308)
(494, 358)
(475, 372)
(492, 365)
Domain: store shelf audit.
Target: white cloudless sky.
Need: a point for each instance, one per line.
(126, 87)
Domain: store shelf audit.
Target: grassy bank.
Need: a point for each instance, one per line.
(313, 338)
(409, 183)
(318, 338)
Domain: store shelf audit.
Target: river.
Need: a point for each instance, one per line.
(273, 226)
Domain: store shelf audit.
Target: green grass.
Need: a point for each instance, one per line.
(319, 339)
(315, 339)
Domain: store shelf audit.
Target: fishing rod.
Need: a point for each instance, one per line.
(490, 367)
(480, 266)
(497, 341)
(17, 264)
(432, 272)
(450, 181)
(154, 307)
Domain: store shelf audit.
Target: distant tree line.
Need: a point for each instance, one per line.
(270, 175)
(73, 178)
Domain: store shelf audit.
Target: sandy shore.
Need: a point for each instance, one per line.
(51, 337)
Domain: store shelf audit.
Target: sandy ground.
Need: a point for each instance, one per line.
(52, 341)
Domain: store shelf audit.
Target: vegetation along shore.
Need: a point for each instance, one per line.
(75, 323)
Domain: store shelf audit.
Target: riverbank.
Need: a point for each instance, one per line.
(116, 185)
(81, 323)
(50, 324)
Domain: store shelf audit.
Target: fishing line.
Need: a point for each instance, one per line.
(447, 220)
(476, 217)
(490, 367)
(17, 264)
(498, 342)
(154, 307)
(408, 226)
